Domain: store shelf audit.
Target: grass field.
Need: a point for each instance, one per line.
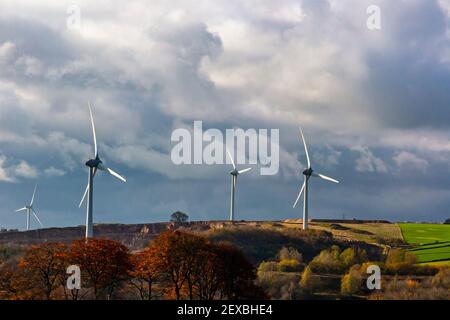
(431, 241)
(368, 232)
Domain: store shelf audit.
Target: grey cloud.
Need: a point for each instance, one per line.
(409, 160)
(251, 65)
(368, 162)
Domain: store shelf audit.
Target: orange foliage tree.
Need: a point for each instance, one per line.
(104, 264)
(147, 271)
(43, 269)
(199, 269)
(13, 284)
(176, 264)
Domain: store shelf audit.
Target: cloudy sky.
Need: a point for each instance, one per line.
(374, 106)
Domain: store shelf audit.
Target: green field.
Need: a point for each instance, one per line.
(431, 241)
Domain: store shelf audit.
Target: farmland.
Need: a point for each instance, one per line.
(431, 242)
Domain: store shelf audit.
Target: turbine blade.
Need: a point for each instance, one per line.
(299, 194)
(87, 189)
(115, 174)
(21, 209)
(35, 215)
(244, 170)
(324, 177)
(306, 148)
(32, 198)
(93, 131)
(84, 195)
(231, 158)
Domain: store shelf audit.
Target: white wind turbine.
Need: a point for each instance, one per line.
(308, 172)
(234, 175)
(94, 165)
(30, 210)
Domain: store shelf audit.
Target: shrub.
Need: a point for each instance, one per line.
(280, 286)
(268, 266)
(288, 253)
(351, 282)
(290, 265)
(332, 260)
(442, 278)
(309, 282)
(410, 289)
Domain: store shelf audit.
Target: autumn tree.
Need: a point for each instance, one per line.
(44, 267)
(237, 274)
(177, 252)
(199, 269)
(309, 282)
(13, 284)
(146, 272)
(104, 264)
(351, 282)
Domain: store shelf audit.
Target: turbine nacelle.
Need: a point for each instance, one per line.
(234, 172)
(308, 172)
(93, 163)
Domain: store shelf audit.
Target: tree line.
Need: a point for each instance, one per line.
(175, 265)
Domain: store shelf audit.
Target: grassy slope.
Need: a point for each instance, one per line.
(261, 241)
(432, 241)
(373, 232)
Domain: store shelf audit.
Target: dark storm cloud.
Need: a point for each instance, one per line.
(373, 104)
(409, 85)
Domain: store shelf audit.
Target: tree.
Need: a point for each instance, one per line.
(309, 281)
(442, 278)
(179, 217)
(176, 253)
(288, 253)
(147, 271)
(199, 269)
(238, 274)
(351, 282)
(400, 261)
(44, 267)
(13, 284)
(105, 264)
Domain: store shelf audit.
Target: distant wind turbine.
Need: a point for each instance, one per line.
(234, 175)
(94, 165)
(308, 172)
(30, 210)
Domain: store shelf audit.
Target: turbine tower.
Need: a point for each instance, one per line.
(94, 165)
(308, 173)
(30, 210)
(234, 174)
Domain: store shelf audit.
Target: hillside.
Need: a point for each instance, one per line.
(135, 236)
(259, 240)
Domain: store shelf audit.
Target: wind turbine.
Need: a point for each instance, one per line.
(94, 165)
(30, 210)
(234, 174)
(308, 173)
